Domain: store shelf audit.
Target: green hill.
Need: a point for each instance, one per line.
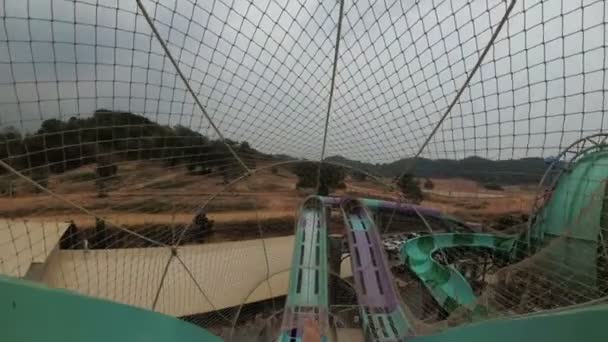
(516, 171)
(58, 146)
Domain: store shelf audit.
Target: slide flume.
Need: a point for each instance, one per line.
(446, 284)
(383, 317)
(307, 296)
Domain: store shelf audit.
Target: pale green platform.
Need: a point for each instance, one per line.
(584, 325)
(32, 312)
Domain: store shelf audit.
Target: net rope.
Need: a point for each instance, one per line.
(154, 152)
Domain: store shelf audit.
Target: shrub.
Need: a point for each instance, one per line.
(332, 177)
(493, 186)
(40, 175)
(105, 171)
(428, 184)
(410, 188)
(7, 187)
(80, 177)
(359, 176)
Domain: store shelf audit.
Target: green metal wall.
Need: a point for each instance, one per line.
(579, 191)
(574, 212)
(32, 312)
(588, 325)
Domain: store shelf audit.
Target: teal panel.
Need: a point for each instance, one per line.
(586, 325)
(32, 312)
(578, 191)
(574, 212)
(357, 224)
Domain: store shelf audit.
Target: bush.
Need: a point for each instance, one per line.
(40, 175)
(274, 170)
(7, 187)
(198, 169)
(410, 188)
(428, 184)
(359, 176)
(493, 186)
(80, 177)
(199, 229)
(332, 177)
(105, 171)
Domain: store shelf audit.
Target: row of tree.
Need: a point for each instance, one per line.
(326, 178)
(481, 170)
(108, 137)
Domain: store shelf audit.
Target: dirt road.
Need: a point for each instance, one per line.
(136, 219)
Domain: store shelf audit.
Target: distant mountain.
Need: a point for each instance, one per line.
(516, 171)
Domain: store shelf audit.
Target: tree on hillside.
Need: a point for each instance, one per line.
(493, 186)
(105, 171)
(244, 147)
(40, 175)
(9, 133)
(67, 145)
(332, 177)
(246, 152)
(428, 184)
(7, 186)
(410, 188)
(201, 226)
(198, 169)
(224, 171)
(10, 145)
(358, 175)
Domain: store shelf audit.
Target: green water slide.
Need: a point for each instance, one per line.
(573, 210)
(32, 312)
(446, 284)
(307, 296)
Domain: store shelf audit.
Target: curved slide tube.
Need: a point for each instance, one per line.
(446, 284)
(383, 317)
(308, 288)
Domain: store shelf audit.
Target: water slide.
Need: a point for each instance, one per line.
(75, 318)
(446, 284)
(307, 296)
(383, 317)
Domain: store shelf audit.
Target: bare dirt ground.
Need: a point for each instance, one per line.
(146, 193)
(462, 198)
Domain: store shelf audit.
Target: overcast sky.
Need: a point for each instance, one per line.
(262, 70)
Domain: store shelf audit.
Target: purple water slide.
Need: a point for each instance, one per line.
(371, 271)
